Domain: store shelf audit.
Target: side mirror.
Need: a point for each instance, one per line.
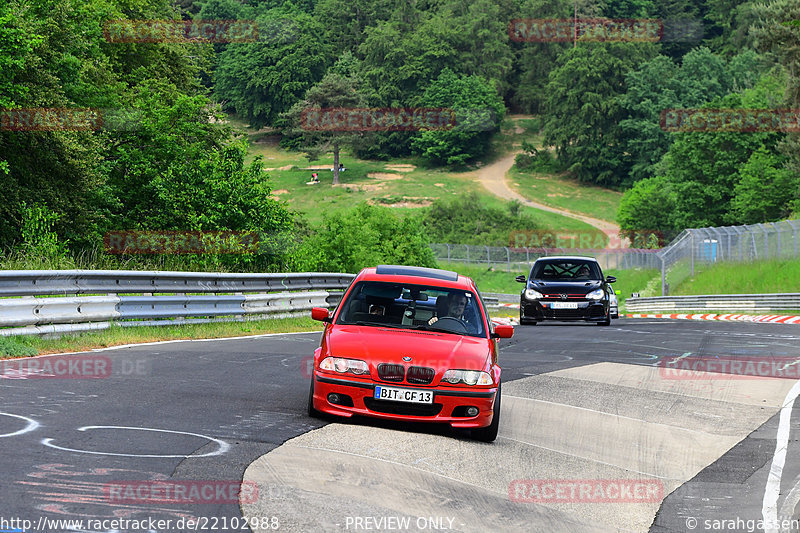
(610, 279)
(522, 279)
(503, 332)
(320, 313)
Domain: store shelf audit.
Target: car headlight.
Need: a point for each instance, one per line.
(342, 365)
(469, 377)
(531, 294)
(596, 295)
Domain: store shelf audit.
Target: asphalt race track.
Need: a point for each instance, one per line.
(596, 435)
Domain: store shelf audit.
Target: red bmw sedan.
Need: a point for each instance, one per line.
(413, 344)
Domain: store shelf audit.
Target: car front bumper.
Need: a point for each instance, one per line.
(588, 310)
(447, 402)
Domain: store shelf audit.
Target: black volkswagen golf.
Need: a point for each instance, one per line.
(565, 288)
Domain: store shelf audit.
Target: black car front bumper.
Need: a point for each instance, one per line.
(587, 310)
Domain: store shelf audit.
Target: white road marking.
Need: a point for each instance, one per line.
(769, 508)
(32, 424)
(223, 446)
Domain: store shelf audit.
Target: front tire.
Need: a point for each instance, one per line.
(489, 433)
(606, 322)
(525, 321)
(313, 413)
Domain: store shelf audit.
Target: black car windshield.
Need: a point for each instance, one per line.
(407, 306)
(566, 270)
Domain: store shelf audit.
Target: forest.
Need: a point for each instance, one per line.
(165, 157)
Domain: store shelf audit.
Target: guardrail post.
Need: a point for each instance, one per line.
(794, 231)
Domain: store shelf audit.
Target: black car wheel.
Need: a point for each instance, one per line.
(606, 322)
(489, 433)
(525, 321)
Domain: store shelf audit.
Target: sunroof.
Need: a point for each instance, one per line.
(398, 270)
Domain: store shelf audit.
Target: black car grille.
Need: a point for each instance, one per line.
(402, 408)
(388, 372)
(420, 375)
(558, 296)
(565, 313)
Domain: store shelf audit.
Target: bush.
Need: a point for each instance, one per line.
(365, 236)
(465, 220)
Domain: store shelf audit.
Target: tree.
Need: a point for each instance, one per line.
(648, 206)
(583, 109)
(365, 236)
(765, 191)
(334, 91)
(478, 110)
(260, 82)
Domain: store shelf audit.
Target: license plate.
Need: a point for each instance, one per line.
(403, 395)
(565, 305)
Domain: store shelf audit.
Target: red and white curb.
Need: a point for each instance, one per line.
(505, 320)
(770, 319)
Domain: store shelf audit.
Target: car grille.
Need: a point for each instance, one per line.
(565, 313)
(388, 372)
(569, 296)
(402, 408)
(420, 375)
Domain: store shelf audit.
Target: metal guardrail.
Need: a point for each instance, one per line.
(62, 282)
(250, 296)
(721, 302)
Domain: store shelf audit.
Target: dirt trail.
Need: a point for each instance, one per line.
(493, 177)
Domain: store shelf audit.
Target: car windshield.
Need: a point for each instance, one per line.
(407, 306)
(566, 270)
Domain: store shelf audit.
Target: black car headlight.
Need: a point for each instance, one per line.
(531, 294)
(596, 295)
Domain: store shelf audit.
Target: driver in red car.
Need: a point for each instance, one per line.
(453, 305)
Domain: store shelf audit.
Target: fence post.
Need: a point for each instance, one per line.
(448, 254)
(691, 249)
(508, 258)
(663, 275)
(488, 257)
(467, 247)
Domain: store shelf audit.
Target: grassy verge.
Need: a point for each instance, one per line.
(743, 278)
(566, 193)
(19, 346)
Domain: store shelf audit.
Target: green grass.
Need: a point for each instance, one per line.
(19, 346)
(406, 192)
(743, 278)
(566, 193)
